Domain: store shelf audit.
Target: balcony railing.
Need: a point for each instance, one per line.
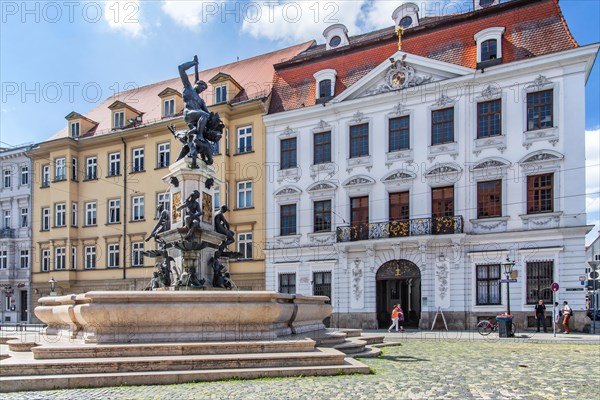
(404, 228)
(7, 233)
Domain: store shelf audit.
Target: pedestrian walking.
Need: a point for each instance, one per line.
(567, 312)
(540, 314)
(557, 316)
(394, 318)
(400, 318)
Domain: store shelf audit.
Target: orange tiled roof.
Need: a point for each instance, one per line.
(533, 28)
(254, 74)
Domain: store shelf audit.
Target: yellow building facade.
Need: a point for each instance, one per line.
(98, 182)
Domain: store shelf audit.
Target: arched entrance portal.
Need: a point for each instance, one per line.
(399, 281)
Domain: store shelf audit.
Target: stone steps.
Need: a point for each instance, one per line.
(318, 357)
(369, 352)
(48, 382)
(372, 339)
(351, 346)
(351, 332)
(172, 349)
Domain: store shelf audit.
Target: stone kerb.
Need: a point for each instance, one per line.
(138, 317)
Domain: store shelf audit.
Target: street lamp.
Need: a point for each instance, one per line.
(52, 283)
(508, 266)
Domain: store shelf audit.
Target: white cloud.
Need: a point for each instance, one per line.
(124, 15)
(192, 14)
(295, 21)
(592, 182)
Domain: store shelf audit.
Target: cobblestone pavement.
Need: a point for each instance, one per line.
(415, 370)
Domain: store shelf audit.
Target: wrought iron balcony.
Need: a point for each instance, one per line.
(7, 233)
(403, 228)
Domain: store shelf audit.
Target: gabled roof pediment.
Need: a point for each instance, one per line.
(75, 115)
(223, 77)
(169, 92)
(119, 104)
(402, 70)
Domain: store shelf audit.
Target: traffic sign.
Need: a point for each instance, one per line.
(508, 280)
(554, 286)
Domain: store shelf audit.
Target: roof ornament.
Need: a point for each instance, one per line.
(399, 32)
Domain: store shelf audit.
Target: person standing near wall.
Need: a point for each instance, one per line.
(567, 312)
(540, 314)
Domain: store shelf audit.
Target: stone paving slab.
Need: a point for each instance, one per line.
(419, 369)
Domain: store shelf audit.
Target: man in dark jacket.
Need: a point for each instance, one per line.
(540, 314)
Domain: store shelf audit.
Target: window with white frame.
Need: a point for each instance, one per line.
(73, 257)
(137, 204)
(90, 257)
(163, 155)
(60, 215)
(6, 180)
(138, 160)
(24, 217)
(114, 164)
(91, 168)
(245, 245)
(164, 199)
(114, 211)
(287, 283)
(45, 219)
(45, 260)
(74, 171)
(489, 46)
(60, 169)
(118, 119)
(73, 214)
(6, 224)
(60, 261)
(24, 259)
(3, 259)
(244, 194)
(488, 285)
(74, 130)
(287, 219)
(221, 94)
(137, 256)
(540, 111)
(113, 255)
(90, 214)
(24, 175)
(169, 107)
(45, 176)
(245, 139)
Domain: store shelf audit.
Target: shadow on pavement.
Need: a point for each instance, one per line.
(403, 358)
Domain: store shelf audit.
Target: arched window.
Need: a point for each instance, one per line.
(325, 88)
(489, 50)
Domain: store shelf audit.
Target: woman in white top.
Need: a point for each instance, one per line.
(567, 312)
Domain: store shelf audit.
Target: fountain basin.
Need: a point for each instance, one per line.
(180, 316)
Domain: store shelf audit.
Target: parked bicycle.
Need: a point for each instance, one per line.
(486, 327)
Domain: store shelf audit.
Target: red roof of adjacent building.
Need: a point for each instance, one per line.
(254, 74)
(532, 28)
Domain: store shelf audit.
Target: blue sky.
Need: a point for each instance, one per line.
(63, 56)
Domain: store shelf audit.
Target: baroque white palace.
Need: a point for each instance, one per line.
(409, 176)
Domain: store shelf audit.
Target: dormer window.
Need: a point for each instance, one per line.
(74, 130)
(118, 119)
(325, 84)
(406, 16)
(220, 94)
(489, 47)
(488, 50)
(325, 88)
(479, 4)
(336, 36)
(169, 107)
